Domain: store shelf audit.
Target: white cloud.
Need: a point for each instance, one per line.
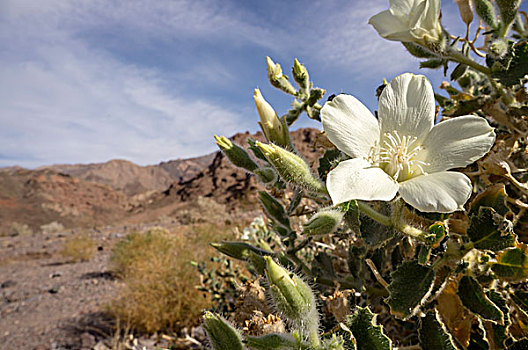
(63, 101)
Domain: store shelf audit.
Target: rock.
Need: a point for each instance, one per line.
(87, 341)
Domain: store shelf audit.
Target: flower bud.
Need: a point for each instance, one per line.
(324, 222)
(222, 335)
(273, 128)
(498, 48)
(300, 75)
(291, 167)
(266, 175)
(277, 79)
(273, 341)
(236, 154)
(292, 296)
(486, 11)
(465, 7)
(274, 209)
(238, 250)
(508, 11)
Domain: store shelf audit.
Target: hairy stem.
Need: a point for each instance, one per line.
(457, 56)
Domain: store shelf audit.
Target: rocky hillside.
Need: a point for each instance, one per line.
(120, 191)
(39, 197)
(227, 184)
(134, 179)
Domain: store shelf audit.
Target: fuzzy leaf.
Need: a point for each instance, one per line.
(274, 209)
(363, 331)
(410, 286)
(517, 68)
(486, 232)
(496, 333)
(521, 300)
(327, 162)
(433, 334)
(493, 197)
(273, 341)
(512, 264)
(473, 298)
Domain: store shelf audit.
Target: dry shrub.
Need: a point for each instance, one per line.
(18, 229)
(79, 247)
(52, 227)
(159, 292)
(202, 210)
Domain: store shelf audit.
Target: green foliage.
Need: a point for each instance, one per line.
(472, 296)
(487, 231)
(465, 272)
(433, 334)
(512, 264)
(403, 301)
(362, 333)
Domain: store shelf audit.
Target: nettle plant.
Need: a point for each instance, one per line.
(410, 233)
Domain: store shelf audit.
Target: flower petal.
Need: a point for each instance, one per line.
(390, 27)
(407, 106)
(441, 192)
(350, 125)
(403, 8)
(456, 143)
(357, 179)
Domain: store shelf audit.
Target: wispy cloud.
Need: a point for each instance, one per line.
(87, 81)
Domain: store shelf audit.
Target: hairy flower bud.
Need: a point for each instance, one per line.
(323, 222)
(221, 334)
(236, 154)
(277, 79)
(300, 75)
(465, 7)
(274, 129)
(292, 296)
(486, 11)
(508, 11)
(266, 175)
(291, 167)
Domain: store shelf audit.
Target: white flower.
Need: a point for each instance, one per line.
(402, 151)
(410, 20)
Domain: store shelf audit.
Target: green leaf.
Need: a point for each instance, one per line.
(433, 334)
(352, 215)
(459, 71)
(521, 300)
(361, 330)
(328, 161)
(512, 264)
(274, 341)
(433, 63)
(486, 231)
(493, 197)
(410, 286)
(518, 66)
(274, 209)
(473, 298)
(495, 333)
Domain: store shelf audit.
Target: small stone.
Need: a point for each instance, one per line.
(87, 340)
(55, 274)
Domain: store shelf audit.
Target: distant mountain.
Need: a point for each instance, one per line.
(120, 191)
(38, 197)
(133, 179)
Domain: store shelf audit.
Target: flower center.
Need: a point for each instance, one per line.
(396, 156)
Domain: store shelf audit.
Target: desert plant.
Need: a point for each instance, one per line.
(159, 282)
(52, 227)
(18, 229)
(405, 252)
(79, 247)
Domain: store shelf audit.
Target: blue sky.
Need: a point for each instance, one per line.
(149, 81)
